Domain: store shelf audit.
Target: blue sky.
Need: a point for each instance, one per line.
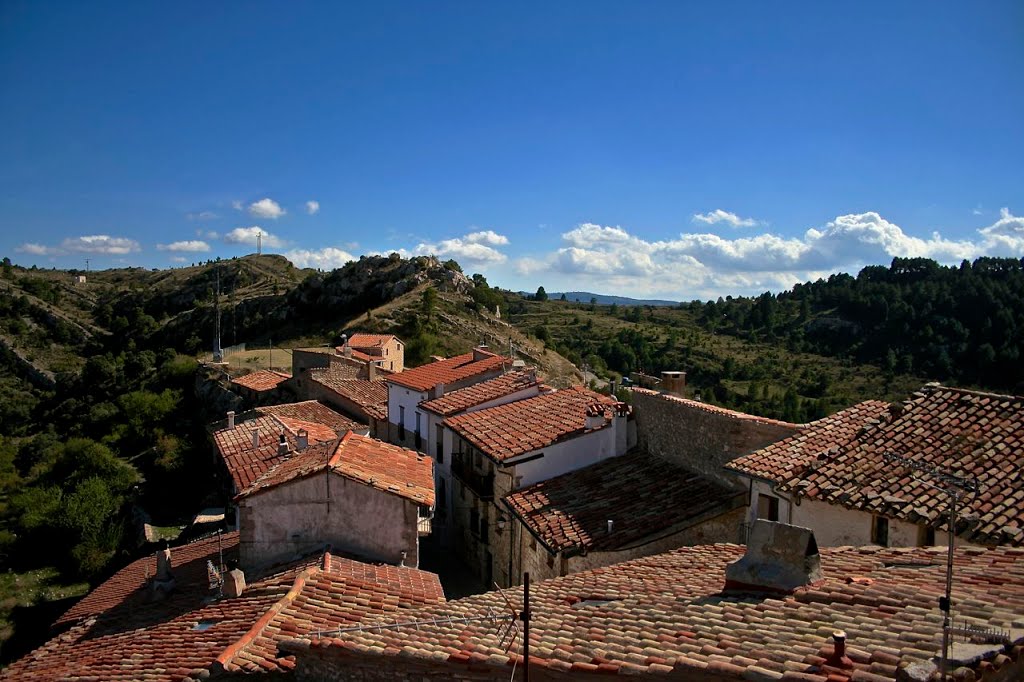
(648, 149)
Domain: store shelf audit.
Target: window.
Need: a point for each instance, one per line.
(926, 536)
(419, 439)
(439, 451)
(401, 422)
(880, 531)
(767, 507)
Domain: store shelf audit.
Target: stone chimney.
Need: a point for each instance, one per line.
(481, 352)
(282, 445)
(779, 558)
(231, 419)
(439, 390)
(302, 439)
(234, 583)
(255, 438)
(371, 371)
(163, 582)
(674, 382)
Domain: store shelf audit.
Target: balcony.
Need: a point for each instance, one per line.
(481, 485)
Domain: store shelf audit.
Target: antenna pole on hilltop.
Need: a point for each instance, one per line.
(259, 243)
(218, 354)
(956, 487)
(87, 264)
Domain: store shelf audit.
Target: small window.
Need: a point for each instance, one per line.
(880, 531)
(926, 536)
(768, 507)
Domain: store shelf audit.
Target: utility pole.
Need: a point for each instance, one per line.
(957, 487)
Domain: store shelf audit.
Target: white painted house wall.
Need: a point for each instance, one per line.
(570, 455)
(404, 402)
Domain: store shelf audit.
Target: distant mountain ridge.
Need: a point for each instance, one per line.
(602, 299)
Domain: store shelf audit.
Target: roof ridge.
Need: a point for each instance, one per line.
(235, 648)
(336, 455)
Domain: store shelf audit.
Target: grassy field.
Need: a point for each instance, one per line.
(261, 359)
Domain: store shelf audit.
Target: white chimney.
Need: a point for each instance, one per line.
(303, 439)
(231, 419)
(282, 445)
(255, 438)
(779, 558)
(611, 525)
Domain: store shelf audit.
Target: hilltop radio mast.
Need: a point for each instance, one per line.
(259, 243)
(218, 354)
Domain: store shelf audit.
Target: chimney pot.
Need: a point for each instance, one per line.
(839, 657)
(282, 445)
(231, 419)
(234, 583)
(611, 525)
(255, 438)
(303, 439)
(401, 562)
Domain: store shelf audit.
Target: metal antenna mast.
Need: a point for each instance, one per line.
(259, 243)
(956, 487)
(218, 354)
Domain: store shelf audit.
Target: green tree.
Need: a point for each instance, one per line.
(541, 295)
(428, 302)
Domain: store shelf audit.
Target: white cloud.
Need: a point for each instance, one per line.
(720, 216)
(489, 237)
(327, 258)
(312, 207)
(179, 259)
(237, 205)
(266, 208)
(100, 243)
(202, 215)
(36, 249)
(248, 236)
(189, 246)
(471, 249)
(701, 264)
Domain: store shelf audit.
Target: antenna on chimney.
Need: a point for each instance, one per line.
(957, 487)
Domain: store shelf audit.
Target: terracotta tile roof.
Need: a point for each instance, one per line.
(311, 411)
(644, 496)
(369, 341)
(524, 425)
(372, 396)
(667, 613)
(449, 370)
(715, 409)
(245, 464)
(777, 461)
(261, 380)
(340, 593)
(464, 398)
(380, 465)
(966, 433)
(118, 632)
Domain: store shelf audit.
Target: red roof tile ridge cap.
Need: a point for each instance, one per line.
(233, 649)
(336, 455)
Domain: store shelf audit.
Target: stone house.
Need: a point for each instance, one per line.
(364, 400)
(506, 388)
(618, 509)
(873, 473)
(407, 424)
(357, 494)
(500, 449)
(383, 350)
(262, 387)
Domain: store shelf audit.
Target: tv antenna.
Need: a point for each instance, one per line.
(956, 487)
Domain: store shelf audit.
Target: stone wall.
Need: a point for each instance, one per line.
(701, 437)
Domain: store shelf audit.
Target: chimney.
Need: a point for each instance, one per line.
(371, 371)
(779, 558)
(439, 390)
(282, 444)
(481, 352)
(838, 657)
(163, 582)
(231, 419)
(255, 438)
(611, 388)
(401, 562)
(234, 583)
(346, 350)
(611, 526)
(303, 440)
(595, 416)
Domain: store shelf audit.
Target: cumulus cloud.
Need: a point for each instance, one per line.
(327, 258)
(248, 236)
(720, 216)
(266, 208)
(188, 246)
(202, 215)
(475, 248)
(34, 249)
(489, 237)
(100, 243)
(312, 207)
(702, 264)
